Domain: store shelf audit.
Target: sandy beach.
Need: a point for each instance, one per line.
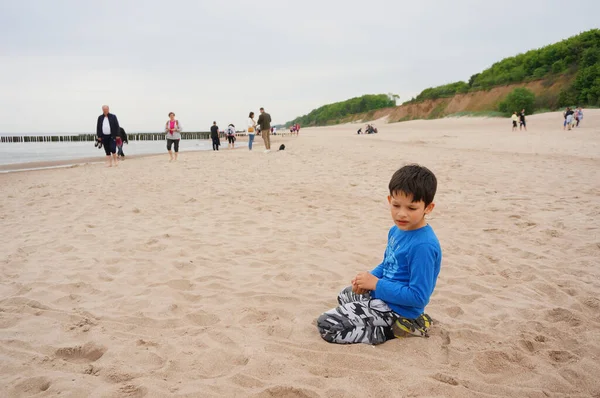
(204, 277)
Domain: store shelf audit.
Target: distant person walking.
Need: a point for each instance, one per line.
(173, 135)
(568, 114)
(522, 122)
(251, 129)
(121, 139)
(579, 113)
(264, 121)
(515, 119)
(214, 136)
(231, 136)
(107, 130)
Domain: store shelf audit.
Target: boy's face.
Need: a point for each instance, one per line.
(408, 215)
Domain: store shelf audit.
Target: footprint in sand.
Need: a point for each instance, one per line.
(32, 386)
(89, 352)
(202, 318)
(445, 379)
(243, 380)
(132, 391)
(494, 362)
(540, 338)
(562, 315)
(562, 356)
(286, 392)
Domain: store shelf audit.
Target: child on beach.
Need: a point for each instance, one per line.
(515, 119)
(390, 301)
(522, 122)
(121, 139)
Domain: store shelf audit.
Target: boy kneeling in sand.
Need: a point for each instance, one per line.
(390, 301)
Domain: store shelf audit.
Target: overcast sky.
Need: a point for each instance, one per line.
(60, 60)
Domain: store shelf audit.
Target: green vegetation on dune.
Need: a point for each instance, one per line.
(574, 62)
(332, 113)
(447, 90)
(578, 55)
(519, 98)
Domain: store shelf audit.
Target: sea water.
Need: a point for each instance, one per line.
(26, 152)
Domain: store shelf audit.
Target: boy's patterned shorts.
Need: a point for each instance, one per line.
(362, 319)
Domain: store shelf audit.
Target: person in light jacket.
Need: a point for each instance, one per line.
(173, 135)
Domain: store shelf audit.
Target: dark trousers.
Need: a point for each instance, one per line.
(216, 142)
(170, 143)
(120, 150)
(109, 144)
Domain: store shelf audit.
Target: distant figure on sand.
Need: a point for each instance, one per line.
(214, 136)
(515, 119)
(107, 130)
(251, 130)
(264, 121)
(579, 113)
(568, 114)
(173, 135)
(231, 136)
(390, 301)
(121, 139)
(522, 123)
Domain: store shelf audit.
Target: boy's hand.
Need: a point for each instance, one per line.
(358, 290)
(365, 281)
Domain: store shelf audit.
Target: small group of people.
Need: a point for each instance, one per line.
(520, 118)
(230, 133)
(573, 117)
(110, 136)
(262, 126)
(215, 136)
(295, 129)
(369, 129)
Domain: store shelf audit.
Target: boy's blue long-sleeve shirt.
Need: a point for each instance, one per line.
(409, 270)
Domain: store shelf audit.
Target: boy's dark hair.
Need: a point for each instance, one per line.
(414, 180)
(251, 114)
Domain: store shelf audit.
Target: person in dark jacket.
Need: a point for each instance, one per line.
(107, 130)
(264, 121)
(214, 135)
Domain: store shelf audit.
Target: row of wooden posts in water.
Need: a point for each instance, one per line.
(200, 135)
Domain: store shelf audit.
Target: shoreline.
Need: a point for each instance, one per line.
(88, 160)
(57, 164)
